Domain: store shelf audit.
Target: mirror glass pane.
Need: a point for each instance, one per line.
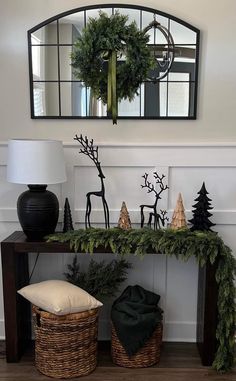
(182, 34)
(163, 101)
(185, 53)
(65, 63)
(70, 27)
(179, 99)
(178, 94)
(39, 99)
(51, 99)
(46, 100)
(185, 61)
(58, 93)
(78, 98)
(133, 15)
(45, 35)
(66, 99)
(45, 63)
(95, 107)
(133, 107)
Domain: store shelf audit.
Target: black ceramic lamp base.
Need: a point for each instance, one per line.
(38, 211)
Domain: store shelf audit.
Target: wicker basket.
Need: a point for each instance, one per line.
(148, 355)
(65, 346)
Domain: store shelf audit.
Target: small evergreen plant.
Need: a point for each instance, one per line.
(101, 280)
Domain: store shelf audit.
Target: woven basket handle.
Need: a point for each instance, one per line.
(37, 319)
(36, 316)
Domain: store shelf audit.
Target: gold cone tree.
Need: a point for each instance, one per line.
(124, 220)
(179, 218)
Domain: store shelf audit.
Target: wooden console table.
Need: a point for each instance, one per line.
(15, 249)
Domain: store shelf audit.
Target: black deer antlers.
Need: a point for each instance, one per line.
(92, 152)
(158, 218)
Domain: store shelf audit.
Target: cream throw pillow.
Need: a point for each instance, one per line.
(59, 297)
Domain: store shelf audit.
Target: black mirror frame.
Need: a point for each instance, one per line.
(113, 5)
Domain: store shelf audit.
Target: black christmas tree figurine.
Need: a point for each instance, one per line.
(68, 224)
(201, 214)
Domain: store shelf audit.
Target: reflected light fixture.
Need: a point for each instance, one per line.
(164, 54)
(36, 163)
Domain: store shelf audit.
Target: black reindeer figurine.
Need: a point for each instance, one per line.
(92, 152)
(158, 218)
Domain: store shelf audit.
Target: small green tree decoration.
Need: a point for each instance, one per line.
(201, 214)
(100, 280)
(67, 222)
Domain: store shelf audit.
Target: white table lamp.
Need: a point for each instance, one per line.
(36, 163)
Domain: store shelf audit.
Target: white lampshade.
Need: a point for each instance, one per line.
(35, 162)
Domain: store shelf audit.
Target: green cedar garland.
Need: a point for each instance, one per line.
(204, 246)
(101, 280)
(103, 42)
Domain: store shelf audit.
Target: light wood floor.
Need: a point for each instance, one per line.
(179, 362)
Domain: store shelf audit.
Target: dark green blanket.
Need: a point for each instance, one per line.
(135, 315)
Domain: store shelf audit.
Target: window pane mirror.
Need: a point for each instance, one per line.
(169, 91)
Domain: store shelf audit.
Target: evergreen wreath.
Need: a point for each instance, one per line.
(102, 41)
(183, 243)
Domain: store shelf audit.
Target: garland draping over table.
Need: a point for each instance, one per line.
(204, 246)
(107, 40)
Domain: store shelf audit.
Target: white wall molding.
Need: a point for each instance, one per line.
(179, 331)
(156, 144)
(68, 144)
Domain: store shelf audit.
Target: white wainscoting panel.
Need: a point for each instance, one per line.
(220, 183)
(185, 168)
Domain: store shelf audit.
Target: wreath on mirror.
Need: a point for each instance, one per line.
(112, 58)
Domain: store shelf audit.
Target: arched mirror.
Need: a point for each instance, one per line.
(169, 91)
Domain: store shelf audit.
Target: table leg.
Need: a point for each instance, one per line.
(16, 308)
(207, 313)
